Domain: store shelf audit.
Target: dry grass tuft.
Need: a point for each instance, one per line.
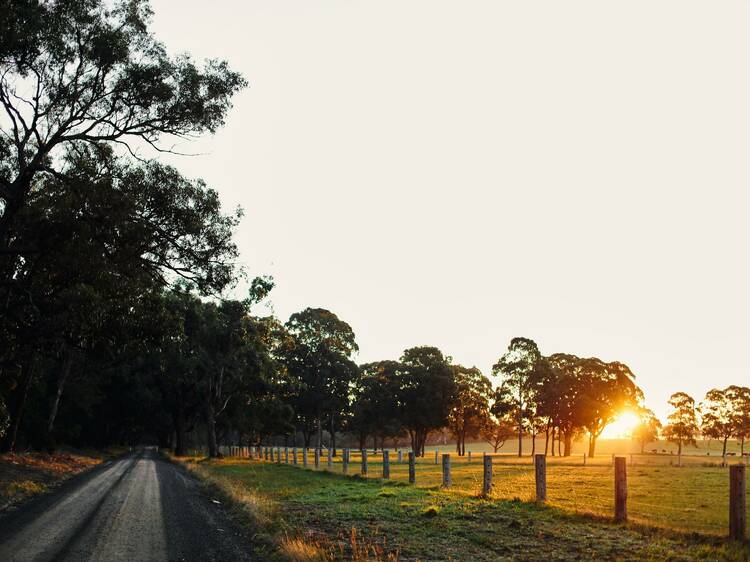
(299, 550)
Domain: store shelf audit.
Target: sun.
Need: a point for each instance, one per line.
(622, 426)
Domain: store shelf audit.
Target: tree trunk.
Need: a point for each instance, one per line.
(319, 425)
(546, 440)
(179, 430)
(213, 449)
(552, 441)
(520, 436)
(724, 449)
(67, 365)
(9, 443)
(592, 445)
(533, 444)
(333, 437)
(568, 443)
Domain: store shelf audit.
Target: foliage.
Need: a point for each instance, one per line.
(426, 393)
(516, 368)
(683, 420)
(317, 357)
(471, 409)
(89, 72)
(648, 428)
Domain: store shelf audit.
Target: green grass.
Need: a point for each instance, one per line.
(676, 513)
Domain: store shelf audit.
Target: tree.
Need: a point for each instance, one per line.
(648, 428)
(605, 390)
(516, 367)
(90, 72)
(718, 418)
(558, 392)
(739, 397)
(374, 409)
(497, 432)
(317, 356)
(96, 242)
(683, 421)
(426, 393)
(471, 410)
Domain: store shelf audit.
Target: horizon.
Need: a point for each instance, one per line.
(498, 177)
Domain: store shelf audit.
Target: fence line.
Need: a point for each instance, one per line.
(737, 487)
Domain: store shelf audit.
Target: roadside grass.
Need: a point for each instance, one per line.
(24, 475)
(321, 515)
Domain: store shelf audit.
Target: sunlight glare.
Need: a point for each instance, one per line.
(622, 426)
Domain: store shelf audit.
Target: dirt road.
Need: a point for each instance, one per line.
(137, 508)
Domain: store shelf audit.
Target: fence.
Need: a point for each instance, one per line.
(737, 487)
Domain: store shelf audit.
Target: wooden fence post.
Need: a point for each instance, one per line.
(304, 457)
(469, 456)
(737, 514)
(329, 459)
(294, 456)
(286, 455)
(436, 456)
(400, 457)
(278, 455)
(621, 490)
(386, 465)
(584, 459)
(487, 483)
(364, 462)
(446, 470)
(345, 461)
(317, 458)
(412, 468)
(540, 473)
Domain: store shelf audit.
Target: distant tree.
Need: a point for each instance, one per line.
(317, 357)
(558, 395)
(374, 405)
(682, 426)
(739, 397)
(648, 428)
(604, 391)
(471, 410)
(718, 417)
(516, 368)
(497, 432)
(426, 393)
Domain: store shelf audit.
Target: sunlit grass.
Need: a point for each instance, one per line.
(316, 510)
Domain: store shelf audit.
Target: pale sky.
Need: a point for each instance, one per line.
(457, 173)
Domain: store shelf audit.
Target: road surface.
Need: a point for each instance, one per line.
(136, 508)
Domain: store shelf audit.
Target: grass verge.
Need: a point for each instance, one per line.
(25, 475)
(306, 515)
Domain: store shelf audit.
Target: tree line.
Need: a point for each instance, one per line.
(115, 326)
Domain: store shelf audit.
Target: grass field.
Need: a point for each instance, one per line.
(675, 513)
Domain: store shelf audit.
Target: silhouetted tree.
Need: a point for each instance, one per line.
(317, 356)
(648, 428)
(471, 410)
(426, 393)
(683, 421)
(516, 367)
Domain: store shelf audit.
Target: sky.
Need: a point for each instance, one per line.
(458, 173)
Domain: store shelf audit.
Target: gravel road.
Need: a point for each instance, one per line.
(136, 508)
